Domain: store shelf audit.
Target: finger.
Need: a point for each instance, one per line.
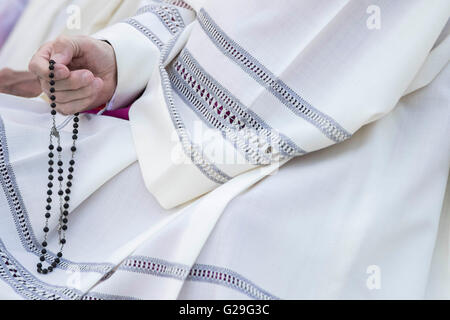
(62, 51)
(63, 97)
(80, 105)
(75, 106)
(39, 65)
(78, 79)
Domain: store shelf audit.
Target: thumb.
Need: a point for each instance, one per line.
(64, 49)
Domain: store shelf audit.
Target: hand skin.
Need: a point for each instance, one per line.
(85, 72)
(19, 83)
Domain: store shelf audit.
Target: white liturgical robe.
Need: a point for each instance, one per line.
(263, 81)
(275, 150)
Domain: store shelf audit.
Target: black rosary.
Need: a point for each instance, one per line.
(64, 195)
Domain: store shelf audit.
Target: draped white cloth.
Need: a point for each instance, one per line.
(256, 82)
(312, 229)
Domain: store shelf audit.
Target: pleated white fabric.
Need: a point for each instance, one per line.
(312, 230)
(230, 86)
(361, 219)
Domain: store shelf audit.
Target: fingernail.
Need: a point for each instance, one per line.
(86, 76)
(58, 58)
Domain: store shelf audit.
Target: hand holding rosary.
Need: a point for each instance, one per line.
(63, 195)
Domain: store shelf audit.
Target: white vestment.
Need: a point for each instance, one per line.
(359, 219)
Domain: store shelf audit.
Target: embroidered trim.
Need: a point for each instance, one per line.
(198, 272)
(169, 16)
(20, 214)
(192, 99)
(177, 3)
(146, 32)
(29, 287)
(221, 110)
(263, 76)
(94, 296)
(156, 267)
(191, 150)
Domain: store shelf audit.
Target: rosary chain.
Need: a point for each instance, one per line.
(64, 195)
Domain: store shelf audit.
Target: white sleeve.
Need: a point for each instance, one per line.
(137, 57)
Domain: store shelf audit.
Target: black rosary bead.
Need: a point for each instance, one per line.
(52, 61)
(63, 215)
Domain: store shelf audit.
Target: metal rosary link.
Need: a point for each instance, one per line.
(64, 196)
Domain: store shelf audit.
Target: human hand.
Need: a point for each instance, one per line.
(85, 72)
(19, 83)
